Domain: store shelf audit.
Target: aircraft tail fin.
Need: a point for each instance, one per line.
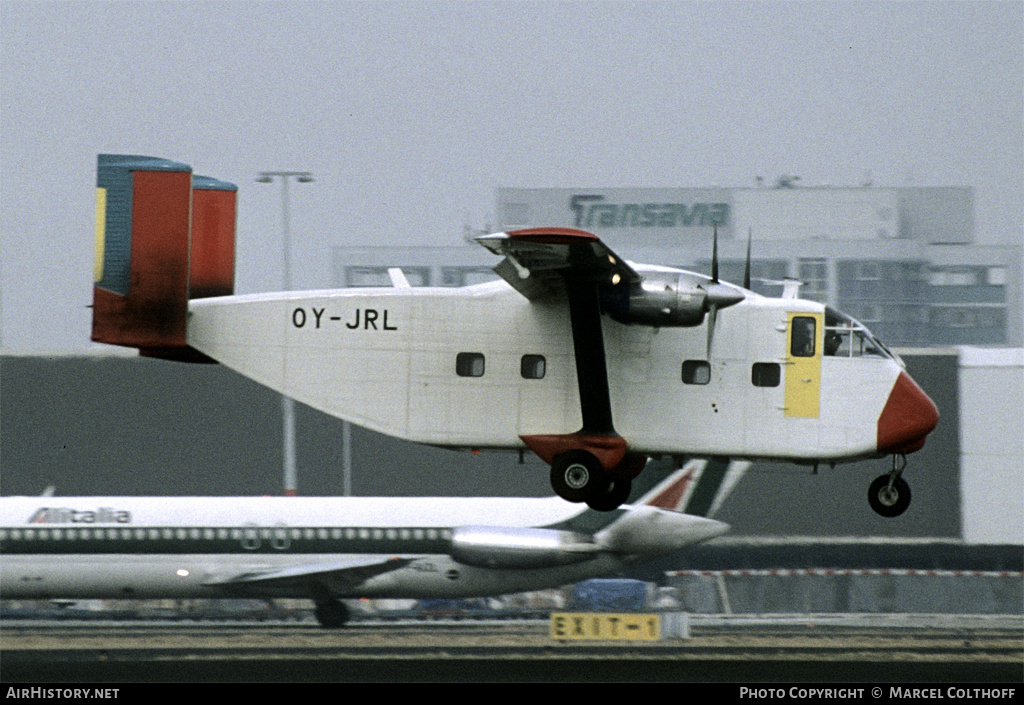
(163, 236)
(698, 488)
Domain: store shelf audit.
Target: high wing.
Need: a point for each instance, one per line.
(537, 260)
(337, 577)
(594, 464)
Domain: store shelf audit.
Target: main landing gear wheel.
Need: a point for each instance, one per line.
(331, 614)
(576, 475)
(614, 495)
(889, 500)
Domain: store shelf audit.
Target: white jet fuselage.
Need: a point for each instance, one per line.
(182, 547)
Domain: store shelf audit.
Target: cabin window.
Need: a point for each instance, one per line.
(469, 364)
(802, 337)
(696, 372)
(532, 367)
(766, 374)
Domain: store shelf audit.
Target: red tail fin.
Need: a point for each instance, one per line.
(162, 237)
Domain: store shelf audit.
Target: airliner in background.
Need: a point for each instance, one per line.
(326, 549)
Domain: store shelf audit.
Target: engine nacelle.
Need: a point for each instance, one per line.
(500, 547)
(668, 299)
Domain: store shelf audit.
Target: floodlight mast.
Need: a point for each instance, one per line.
(287, 403)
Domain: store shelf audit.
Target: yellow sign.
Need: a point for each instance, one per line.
(605, 625)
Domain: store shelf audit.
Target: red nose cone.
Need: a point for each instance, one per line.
(908, 417)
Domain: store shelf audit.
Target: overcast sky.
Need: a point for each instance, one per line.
(410, 114)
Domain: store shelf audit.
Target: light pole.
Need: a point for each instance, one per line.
(287, 403)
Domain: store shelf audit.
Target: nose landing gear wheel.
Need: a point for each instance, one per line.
(889, 501)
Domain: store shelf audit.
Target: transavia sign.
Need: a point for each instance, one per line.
(594, 211)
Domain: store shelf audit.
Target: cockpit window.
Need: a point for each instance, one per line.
(848, 337)
(803, 337)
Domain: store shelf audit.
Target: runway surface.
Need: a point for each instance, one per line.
(869, 649)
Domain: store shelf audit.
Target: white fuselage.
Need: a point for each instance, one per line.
(386, 359)
(160, 547)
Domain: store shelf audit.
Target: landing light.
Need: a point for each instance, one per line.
(616, 278)
(182, 573)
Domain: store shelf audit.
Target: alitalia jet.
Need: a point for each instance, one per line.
(326, 549)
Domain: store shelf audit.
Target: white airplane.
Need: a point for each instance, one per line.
(326, 549)
(656, 365)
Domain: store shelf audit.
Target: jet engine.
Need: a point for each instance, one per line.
(499, 547)
(670, 299)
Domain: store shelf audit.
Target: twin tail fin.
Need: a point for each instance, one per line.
(163, 236)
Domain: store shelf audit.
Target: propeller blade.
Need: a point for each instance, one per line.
(714, 256)
(719, 295)
(746, 269)
(712, 317)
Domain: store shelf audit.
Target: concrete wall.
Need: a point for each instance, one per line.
(992, 444)
(840, 591)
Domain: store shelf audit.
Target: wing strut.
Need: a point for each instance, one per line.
(588, 342)
(592, 465)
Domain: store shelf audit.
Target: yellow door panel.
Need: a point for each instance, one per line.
(803, 365)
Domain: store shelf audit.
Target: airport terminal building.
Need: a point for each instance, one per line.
(901, 260)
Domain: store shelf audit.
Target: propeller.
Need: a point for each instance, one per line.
(746, 267)
(718, 295)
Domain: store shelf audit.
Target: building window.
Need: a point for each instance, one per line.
(696, 372)
(378, 276)
(466, 276)
(997, 276)
(532, 367)
(814, 275)
(869, 313)
(953, 276)
(868, 271)
(766, 374)
(469, 364)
